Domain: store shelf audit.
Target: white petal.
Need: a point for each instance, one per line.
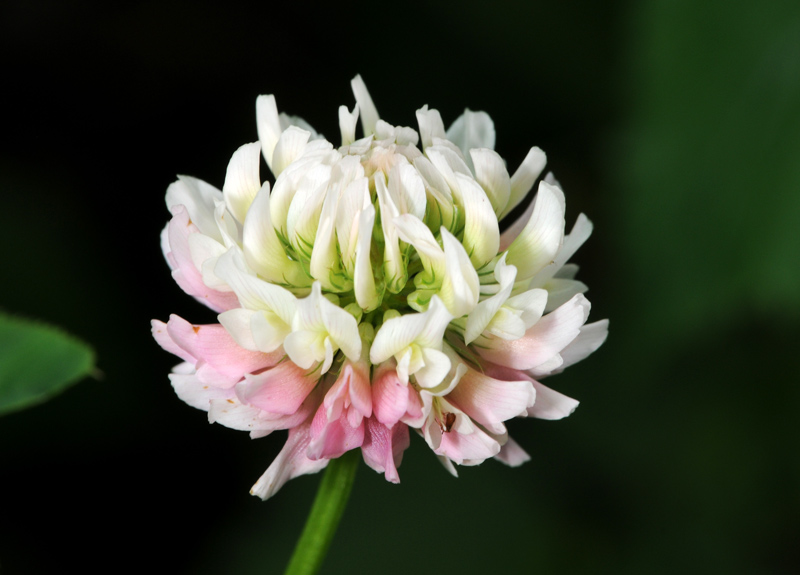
(437, 366)
(290, 146)
(472, 130)
(191, 390)
(413, 231)
(199, 199)
(523, 179)
(591, 337)
(302, 218)
(426, 329)
(305, 347)
(325, 265)
(347, 124)
(430, 126)
(351, 202)
(242, 181)
(253, 292)
(560, 291)
(204, 252)
(395, 272)
(482, 315)
(481, 230)
(530, 304)
(407, 190)
(263, 250)
(237, 323)
(366, 294)
(460, 286)
(448, 164)
(369, 114)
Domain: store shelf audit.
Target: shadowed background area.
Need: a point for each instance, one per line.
(674, 126)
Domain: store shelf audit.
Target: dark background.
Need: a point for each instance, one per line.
(675, 125)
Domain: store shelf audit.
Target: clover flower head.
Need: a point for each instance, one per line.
(368, 291)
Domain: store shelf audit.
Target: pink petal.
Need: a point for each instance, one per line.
(214, 346)
(331, 439)
(185, 273)
(281, 390)
(468, 449)
(543, 340)
(383, 447)
(389, 396)
(290, 463)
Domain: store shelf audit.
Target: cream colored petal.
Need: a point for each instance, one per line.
(347, 124)
(430, 126)
(242, 180)
(523, 179)
(269, 125)
(369, 113)
(539, 242)
(492, 175)
(290, 146)
(481, 230)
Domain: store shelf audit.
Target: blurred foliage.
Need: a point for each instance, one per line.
(674, 125)
(37, 361)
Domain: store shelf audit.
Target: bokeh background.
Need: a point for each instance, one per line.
(675, 125)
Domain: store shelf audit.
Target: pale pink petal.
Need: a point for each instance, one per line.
(542, 341)
(549, 404)
(162, 337)
(214, 346)
(491, 401)
(512, 454)
(184, 271)
(468, 449)
(191, 389)
(281, 389)
(383, 447)
(290, 463)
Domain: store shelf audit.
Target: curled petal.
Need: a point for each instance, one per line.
(540, 240)
(545, 339)
(199, 199)
(269, 126)
(290, 463)
(491, 174)
(523, 179)
(383, 447)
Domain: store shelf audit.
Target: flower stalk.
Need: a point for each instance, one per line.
(326, 512)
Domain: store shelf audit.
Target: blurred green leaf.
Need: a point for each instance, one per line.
(37, 361)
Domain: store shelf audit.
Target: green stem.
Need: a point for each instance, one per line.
(329, 504)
